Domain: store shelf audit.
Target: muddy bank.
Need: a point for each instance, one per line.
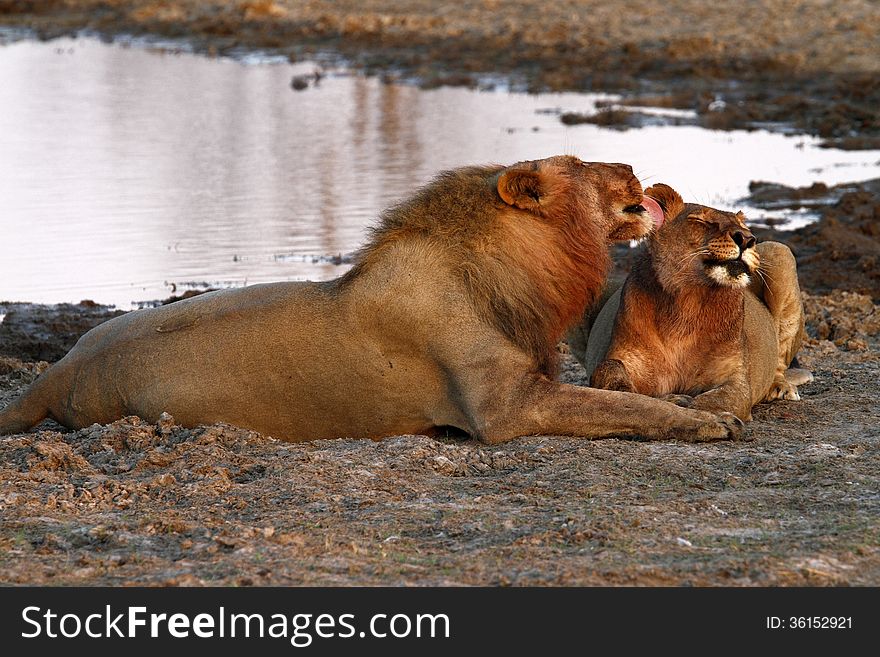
(37, 332)
(841, 251)
(752, 64)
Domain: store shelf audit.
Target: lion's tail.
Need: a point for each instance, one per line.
(797, 376)
(30, 408)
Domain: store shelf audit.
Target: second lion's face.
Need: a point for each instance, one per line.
(699, 245)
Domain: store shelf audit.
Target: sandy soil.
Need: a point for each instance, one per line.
(813, 63)
(137, 503)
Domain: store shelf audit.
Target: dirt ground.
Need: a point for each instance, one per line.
(796, 504)
(137, 503)
(755, 63)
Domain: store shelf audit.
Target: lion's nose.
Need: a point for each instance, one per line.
(743, 240)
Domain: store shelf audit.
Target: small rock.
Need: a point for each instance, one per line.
(166, 479)
(165, 423)
(101, 533)
(855, 344)
(443, 465)
(826, 347)
(225, 541)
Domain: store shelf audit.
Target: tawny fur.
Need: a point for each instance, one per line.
(450, 318)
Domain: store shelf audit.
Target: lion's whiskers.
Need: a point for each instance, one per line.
(764, 274)
(690, 258)
(760, 275)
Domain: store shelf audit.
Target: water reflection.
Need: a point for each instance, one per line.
(123, 171)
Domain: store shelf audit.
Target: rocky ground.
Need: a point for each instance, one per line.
(796, 504)
(811, 63)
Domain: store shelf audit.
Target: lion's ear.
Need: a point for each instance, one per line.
(521, 188)
(668, 198)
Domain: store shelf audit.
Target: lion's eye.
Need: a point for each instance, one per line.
(634, 209)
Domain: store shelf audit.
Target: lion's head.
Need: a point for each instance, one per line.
(568, 190)
(551, 259)
(699, 245)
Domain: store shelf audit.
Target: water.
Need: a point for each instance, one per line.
(127, 174)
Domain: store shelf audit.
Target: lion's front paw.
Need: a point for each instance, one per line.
(782, 389)
(726, 426)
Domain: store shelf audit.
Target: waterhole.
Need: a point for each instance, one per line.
(131, 173)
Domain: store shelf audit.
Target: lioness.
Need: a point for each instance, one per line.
(707, 318)
(450, 318)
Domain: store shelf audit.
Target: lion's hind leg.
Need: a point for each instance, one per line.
(777, 286)
(611, 374)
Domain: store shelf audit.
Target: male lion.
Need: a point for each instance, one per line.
(707, 318)
(450, 318)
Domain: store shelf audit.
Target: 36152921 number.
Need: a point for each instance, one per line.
(809, 623)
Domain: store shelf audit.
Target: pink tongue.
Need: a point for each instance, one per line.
(654, 210)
